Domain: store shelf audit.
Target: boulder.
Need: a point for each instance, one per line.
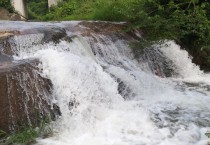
(24, 94)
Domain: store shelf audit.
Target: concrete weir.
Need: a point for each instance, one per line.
(20, 7)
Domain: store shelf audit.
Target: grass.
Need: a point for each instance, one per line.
(2, 133)
(109, 10)
(26, 134)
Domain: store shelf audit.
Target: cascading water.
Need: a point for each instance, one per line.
(106, 97)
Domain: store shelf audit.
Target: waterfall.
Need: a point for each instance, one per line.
(108, 97)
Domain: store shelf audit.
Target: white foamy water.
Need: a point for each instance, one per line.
(188, 71)
(115, 101)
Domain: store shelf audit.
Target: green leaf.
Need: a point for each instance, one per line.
(207, 134)
(2, 133)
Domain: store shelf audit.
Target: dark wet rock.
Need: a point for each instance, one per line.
(53, 33)
(5, 47)
(201, 58)
(100, 27)
(157, 62)
(124, 90)
(115, 30)
(55, 112)
(25, 95)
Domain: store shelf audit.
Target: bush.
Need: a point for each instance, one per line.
(7, 5)
(26, 134)
(37, 9)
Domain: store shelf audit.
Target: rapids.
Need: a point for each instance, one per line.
(108, 97)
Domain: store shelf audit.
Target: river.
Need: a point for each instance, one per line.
(109, 97)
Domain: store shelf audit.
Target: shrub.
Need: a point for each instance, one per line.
(7, 5)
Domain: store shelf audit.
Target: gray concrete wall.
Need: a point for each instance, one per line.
(20, 7)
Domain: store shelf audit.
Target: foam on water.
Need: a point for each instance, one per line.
(187, 70)
(115, 101)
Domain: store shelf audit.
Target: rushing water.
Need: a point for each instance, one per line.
(107, 97)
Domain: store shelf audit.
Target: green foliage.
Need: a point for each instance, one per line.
(110, 10)
(2, 133)
(187, 21)
(26, 134)
(207, 134)
(37, 9)
(7, 5)
(63, 10)
(78, 9)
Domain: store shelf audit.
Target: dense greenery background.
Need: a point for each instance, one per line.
(6, 4)
(185, 21)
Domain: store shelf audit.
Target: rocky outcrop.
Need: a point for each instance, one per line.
(5, 15)
(202, 58)
(24, 94)
(157, 62)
